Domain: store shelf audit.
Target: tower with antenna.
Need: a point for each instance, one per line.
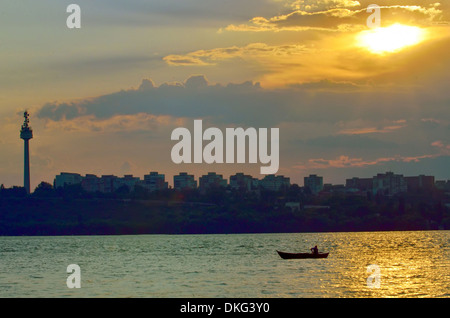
(26, 133)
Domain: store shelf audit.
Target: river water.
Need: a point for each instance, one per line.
(407, 264)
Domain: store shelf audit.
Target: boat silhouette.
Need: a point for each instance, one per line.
(285, 255)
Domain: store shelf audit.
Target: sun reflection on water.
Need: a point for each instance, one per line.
(409, 266)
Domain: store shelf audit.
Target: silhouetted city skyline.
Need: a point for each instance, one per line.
(388, 183)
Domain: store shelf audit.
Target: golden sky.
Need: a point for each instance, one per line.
(349, 100)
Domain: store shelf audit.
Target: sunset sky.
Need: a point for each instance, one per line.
(104, 99)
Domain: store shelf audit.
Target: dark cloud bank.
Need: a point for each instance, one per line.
(327, 111)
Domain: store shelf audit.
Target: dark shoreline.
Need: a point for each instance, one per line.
(32, 216)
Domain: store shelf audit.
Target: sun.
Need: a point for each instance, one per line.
(390, 39)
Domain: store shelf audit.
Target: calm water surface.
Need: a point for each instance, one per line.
(412, 264)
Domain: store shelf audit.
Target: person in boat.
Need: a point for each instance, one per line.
(315, 250)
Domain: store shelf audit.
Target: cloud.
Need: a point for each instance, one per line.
(194, 98)
(321, 126)
(360, 110)
(320, 5)
(146, 84)
(325, 61)
(345, 161)
(352, 141)
(251, 51)
(348, 162)
(116, 123)
(196, 82)
(184, 60)
(237, 103)
(398, 124)
(335, 17)
(443, 148)
(329, 86)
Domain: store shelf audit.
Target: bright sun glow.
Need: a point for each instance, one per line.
(390, 39)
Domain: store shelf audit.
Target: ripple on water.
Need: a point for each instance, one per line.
(411, 264)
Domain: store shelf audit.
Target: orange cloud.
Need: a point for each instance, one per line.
(258, 51)
(340, 18)
(443, 148)
(370, 130)
(347, 162)
(329, 57)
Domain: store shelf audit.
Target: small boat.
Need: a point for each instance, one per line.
(285, 255)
